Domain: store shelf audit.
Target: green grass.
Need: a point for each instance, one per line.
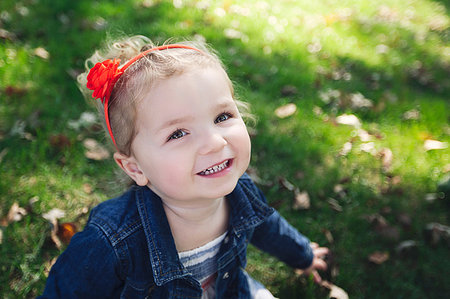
(395, 53)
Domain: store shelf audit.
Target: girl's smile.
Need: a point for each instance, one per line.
(217, 170)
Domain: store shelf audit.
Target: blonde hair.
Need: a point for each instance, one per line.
(139, 78)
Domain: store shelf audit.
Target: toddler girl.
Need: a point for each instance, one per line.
(182, 231)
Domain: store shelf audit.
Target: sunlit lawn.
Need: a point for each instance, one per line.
(383, 66)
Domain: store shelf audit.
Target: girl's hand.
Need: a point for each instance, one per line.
(318, 262)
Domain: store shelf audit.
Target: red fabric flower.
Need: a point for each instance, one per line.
(102, 77)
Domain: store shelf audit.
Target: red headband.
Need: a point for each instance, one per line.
(104, 75)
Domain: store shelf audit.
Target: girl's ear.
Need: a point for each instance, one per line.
(131, 168)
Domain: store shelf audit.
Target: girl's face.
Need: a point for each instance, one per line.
(192, 143)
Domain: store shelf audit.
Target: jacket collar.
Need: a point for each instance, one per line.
(246, 212)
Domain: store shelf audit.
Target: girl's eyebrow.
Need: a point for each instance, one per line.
(221, 106)
(175, 121)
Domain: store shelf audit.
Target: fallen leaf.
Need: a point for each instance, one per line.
(288, 90)
(253, 173)
(346, 148)
(334, 204)
(31, 203)
(386, 158)
(435, 232)
(339, 190)
(395, 180)
(364, 136)
(42, 53)
(60, 142)
(16, 213)
(328, 236)
(302, 201)
(317, 111)
(358, 101)
(286, 184)
(430, 197)
(87, 188)
(378, 257)
(335, 291)
(15, 91)
(405, 221)
(349, 120)
(95, 150)
(406, 247)
(434, 145)
(285, 110)
(86, 120)
(54, 214)
(66, 231)
(5, 34)
(368, 147)
(413, 114)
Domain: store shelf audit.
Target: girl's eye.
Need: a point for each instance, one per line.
(177, 135)
(222, 117)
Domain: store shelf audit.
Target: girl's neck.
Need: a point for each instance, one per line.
(195, 225)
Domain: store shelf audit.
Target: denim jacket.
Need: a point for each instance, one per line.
(127, 250)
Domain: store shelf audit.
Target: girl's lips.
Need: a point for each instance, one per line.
(216, 168)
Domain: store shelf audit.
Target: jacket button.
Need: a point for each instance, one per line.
(226, 275)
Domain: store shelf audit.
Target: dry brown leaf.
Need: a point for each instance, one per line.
(15, 91)
(289, 90)
(60, 142)
(42, 53)
(15, 214)
(52, 216)
(335, 291)
(405, 220)
(430, 144)
(435, 232)
(368, 147)
(378, 257)
(302, 201)
(334, 204)
(346, 148)
(349, 120)
(285, 110)
(386, 158)
(66, 231)
(413, 114)
(328, 236)
(286, 184)
(406, 247)
(87, 188)
(95, 150)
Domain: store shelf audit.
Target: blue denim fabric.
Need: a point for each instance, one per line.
(127, 250)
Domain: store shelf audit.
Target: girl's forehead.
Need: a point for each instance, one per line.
(185, 93)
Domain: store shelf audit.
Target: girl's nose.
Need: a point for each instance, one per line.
(212, 142)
